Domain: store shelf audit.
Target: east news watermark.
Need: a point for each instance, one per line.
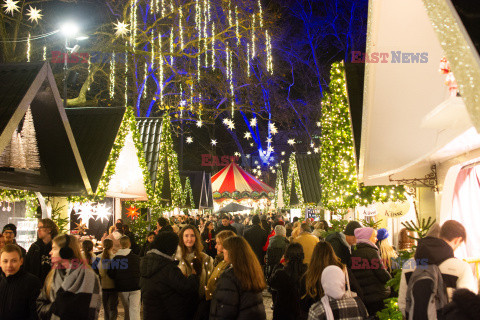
(394, 57)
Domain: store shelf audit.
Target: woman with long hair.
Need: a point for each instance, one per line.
(189, 248)
(239, 289)
(208, 238)
(69, 283)
(387, 252)
(287, 284)
(109, 294)
(87, 248)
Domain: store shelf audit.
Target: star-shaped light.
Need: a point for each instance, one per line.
(189, 140)
(213, 142)
(291, 142)
(247, 156)
(103, 212)
(283, 153)
(270, 148)
(34, 14)
(253, 122)
(237, 154)
(81, 227)
(132, 212)
(229, 123)
(85, 212)
(273, 170)
(251, 144)
(247, 135)
(316, 150)
(269, 140)
(312, 145)
(319, 124)
(226, 121)
(199, 123)
(121, 29)
(273, 129)
(10, 6)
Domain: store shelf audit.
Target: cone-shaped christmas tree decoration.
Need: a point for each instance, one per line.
(5, 157)
(30, 142)
(17, 154)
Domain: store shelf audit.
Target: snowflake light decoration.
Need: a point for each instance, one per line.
(121, 29)
(316, 150)
(34, 14)
(273, 129)
(85, 212)
(199, 123)
(10, 6)
(103, 212)
(189, 140)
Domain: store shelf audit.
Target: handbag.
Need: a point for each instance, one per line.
(349, 293)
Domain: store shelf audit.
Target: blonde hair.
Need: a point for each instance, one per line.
(60, 241)
(387, 253)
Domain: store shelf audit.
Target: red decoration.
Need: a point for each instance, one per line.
(132, 212)
(444, 66)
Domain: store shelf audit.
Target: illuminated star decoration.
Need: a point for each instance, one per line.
(229, 123)
(247, 135)
(199, 123)
(213, 142)
(312, 145)
(273, 129)
(319, 124)
(103, 212)
(269, 140)
(132, 212)
(291, 142)
(270, 149)
(237, 154)
(81, 227)
(253, 122)
(283, 153)
(189, 140)
(121, 29)
(34, 14)
(316, 150)
(85, 212)
(10, 6)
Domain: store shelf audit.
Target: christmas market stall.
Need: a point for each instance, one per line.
(421, 110)
(233, 184)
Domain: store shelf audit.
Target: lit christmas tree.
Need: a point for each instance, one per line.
(340, 189)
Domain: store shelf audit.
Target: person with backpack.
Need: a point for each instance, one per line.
(429, 280)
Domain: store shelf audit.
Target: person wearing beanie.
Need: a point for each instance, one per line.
(256, 237)
(9, 233)
(369, 270)
(386, 250)
(336, 304)
(276, 248)
(166, 292)
(342, 242)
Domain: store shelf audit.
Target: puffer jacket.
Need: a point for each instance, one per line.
(368, 269)
(340, 246)
(166, 292)
(231, 302)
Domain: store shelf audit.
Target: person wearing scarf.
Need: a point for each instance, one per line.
(72, 290)
(336, 303)
(369, 270)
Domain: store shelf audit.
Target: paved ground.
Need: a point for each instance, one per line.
(267, 301)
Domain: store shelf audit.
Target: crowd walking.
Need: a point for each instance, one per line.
(220, 267)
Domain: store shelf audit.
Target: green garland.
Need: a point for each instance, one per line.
(297, 187)
(31, 201)
(188, 194)
(168, 159)
(340, 189)
(129, 124)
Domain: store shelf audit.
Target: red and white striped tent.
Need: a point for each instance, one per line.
(232, 182)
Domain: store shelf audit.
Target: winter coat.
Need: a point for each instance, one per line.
(287, 303)
(185, 267)
(368, 269)
(103, 265)
(212, 282)
(125, 270)
(166, 293)
(341, 247)
(308, 242)
(231, 302)
(256, 238)
(276, 249)
(18, 296)
(38, 261)
(222, 227)
(239, 227)
(465, 305)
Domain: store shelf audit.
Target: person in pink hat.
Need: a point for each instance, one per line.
(368, 268)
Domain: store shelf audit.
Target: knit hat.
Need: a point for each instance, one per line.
(350, 228)
(11, 227)
(280, 231)
(333, 282)
(382, 234)
(166, 242)
(364, 233)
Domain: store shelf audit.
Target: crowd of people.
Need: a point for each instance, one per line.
(219, 268)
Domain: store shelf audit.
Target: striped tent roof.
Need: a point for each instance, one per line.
(234, 182)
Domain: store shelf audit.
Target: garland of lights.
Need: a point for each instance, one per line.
(31, 202)
(340, 190)
(128, 125)
(293, 176)
(168, 160)
(188, 194)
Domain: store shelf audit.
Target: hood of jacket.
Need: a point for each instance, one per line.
(153, 262)
(340, 236)
(278, 242)
(433, 249)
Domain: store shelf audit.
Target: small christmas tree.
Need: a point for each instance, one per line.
(30, 142)
(17, 154)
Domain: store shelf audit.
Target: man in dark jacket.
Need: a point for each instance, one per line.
(18, 289)
(125, 272)
(10, 233)
(256, 238)
(225, 225)
(163, 225)
(37, 260)
(342, 242)
(166, 292)
(238, 226)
